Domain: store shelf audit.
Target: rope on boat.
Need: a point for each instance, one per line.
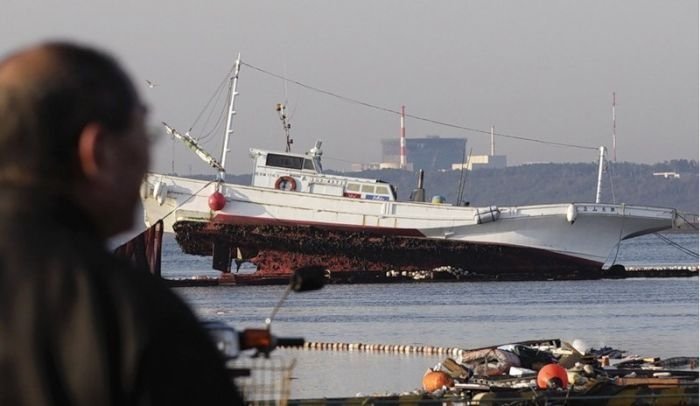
(687, 221)
(386, 348)
(676, 245)
(186, 200)
(619, 237)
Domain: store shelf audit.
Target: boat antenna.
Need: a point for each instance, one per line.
(402, 139)
(282, 109)
(601, 164)
(231, 112)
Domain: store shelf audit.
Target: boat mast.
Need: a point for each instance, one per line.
(231, 113)
(601, 163)
(402, 140)
(614, 130)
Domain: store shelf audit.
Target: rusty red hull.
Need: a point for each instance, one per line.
(364, 256)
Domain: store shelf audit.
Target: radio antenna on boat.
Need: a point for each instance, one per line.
(282, 109)
(231, 112)
(402, 140)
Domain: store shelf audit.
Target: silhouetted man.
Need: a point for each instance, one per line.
(77, 325)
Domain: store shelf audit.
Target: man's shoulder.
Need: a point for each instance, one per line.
(127, 279)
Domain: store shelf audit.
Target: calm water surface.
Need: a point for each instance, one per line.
(651, 317)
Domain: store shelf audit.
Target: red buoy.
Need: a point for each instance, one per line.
(217, 201)
(552, 376)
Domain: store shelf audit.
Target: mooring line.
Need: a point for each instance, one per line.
(687, 221)
(677, 245)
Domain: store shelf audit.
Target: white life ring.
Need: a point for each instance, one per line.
(287, 183)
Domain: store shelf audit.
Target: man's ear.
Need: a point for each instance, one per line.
(89, 150)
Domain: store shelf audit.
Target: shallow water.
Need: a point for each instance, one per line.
(650, 317)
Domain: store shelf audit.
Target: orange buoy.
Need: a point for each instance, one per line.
(552, 376)
(434, 380)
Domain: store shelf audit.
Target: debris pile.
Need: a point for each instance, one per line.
(536, 371)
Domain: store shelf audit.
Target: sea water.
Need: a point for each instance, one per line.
(644, 316)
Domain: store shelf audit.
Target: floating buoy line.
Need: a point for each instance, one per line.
(383, 348)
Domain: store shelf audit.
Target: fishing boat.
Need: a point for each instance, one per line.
(294, 214)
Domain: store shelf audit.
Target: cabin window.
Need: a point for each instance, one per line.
(285, 161)
(382, 190)
(308, 164)
(352, 187)
(367, 188)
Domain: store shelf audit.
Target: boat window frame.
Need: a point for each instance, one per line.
(367, 188)
(384, 190)
(284, 161)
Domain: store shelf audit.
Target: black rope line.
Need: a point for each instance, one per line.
(420, 118)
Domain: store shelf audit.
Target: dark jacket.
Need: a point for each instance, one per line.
(81, 327)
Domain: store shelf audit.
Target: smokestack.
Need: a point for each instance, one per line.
(402, 162)
(493, 143)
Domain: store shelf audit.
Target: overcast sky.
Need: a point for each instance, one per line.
(536, 69)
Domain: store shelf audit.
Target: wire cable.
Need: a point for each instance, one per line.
(619, 237)
(420, 118)
(216, 94)
(676, 245)
(185, 201)
(687, 221)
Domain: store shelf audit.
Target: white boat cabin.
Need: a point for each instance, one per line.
(303, 173)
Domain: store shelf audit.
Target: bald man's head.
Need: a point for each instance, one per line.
(48, 94)
(22, 68)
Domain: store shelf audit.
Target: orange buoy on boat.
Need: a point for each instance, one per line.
(552, 376)
(434, 380)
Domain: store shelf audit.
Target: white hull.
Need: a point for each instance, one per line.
(595, 230)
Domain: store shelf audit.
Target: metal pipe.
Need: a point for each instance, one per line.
(601, 163)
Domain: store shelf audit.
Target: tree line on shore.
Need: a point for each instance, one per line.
(623, 182)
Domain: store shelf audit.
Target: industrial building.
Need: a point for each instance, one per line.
(491, 161)
(432, 153)
(482, 162)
